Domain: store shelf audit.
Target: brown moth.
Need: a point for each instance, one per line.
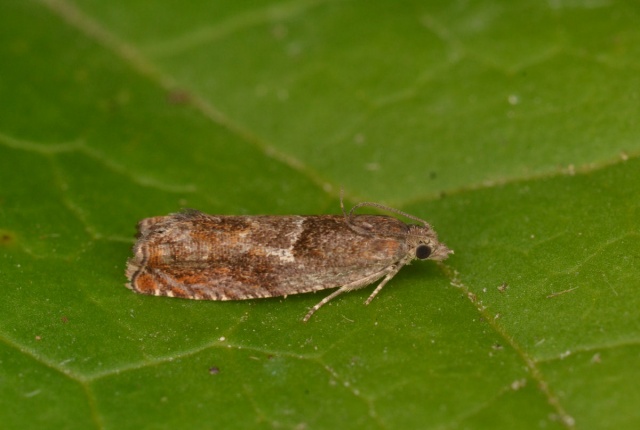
(193, 255)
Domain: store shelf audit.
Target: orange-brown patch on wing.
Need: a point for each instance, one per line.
(383, 248)
(145, 283)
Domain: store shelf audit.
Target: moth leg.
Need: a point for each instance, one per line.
(386, 279)
(360, 283)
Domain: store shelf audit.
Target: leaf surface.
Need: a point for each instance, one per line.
(512, 128)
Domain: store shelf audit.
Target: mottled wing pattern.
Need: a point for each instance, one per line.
(198, 256)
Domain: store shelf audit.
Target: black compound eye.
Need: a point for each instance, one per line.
(423, 252)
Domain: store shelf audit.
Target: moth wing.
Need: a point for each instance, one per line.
(198, 256)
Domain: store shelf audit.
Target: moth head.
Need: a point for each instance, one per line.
(426, 245)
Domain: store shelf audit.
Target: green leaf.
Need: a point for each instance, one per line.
(510, 126)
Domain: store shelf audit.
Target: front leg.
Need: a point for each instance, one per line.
(388, 272)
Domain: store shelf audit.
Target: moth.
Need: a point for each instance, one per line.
(193, 255)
